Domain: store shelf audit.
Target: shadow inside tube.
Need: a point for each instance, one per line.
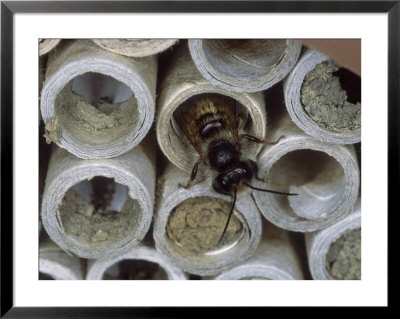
(135, 270)
(95, 86)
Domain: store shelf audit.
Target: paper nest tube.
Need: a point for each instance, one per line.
(124, 86)
(57, 264)
(276, 258)
(181, 82)
(76, 229)
(98, 268)
(319, 242)
(244, 65)
(135, 47)
(326, 177)
(216, 259)
(46, 45)
(292, 91)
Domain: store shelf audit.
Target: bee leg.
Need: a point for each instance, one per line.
(251, 138)
(257, 140)
(192, 176)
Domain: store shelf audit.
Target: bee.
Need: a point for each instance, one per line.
(211, 125)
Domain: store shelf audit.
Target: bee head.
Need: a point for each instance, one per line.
(222, 155)
(225, 182)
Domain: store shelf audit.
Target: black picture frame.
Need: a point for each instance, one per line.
(9, 8)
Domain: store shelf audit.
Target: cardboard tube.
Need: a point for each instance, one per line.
(326, 177)
(199, 253)
(97, 269)
(46, 45)
(135, 47)
(244, 65)
(71, 218)
(318, 246)
(333, 127)
(57, 264)
(276, 258)
(97, 104)
(181, 82)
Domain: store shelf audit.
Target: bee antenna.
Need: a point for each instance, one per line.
(230, 215)
(269, 191)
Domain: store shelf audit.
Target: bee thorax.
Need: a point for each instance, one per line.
(222, 155)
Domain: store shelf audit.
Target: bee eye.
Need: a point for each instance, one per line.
(222, 185)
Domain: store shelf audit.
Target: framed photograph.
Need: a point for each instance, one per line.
(164, 155)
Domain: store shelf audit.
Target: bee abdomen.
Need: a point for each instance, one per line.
(211, 128)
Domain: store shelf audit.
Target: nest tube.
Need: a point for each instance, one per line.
(47, 45)
(277, 257)
(97, 104)
(135, 47)
(181, 82)
(325, 176)
(318, 102)
(189, 223)
(56, 264)
(337, 246)
(142, 259)
(98, 208)
(244, 65)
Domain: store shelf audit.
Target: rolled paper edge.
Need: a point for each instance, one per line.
(274, 259)
(153, 46)
(56, 263)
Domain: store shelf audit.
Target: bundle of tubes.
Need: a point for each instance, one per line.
(167, 159)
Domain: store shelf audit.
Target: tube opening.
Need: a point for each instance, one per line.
(135, 270)
(98, 212)
(243, 58)
(331, 96)
(43, 276)
(343, 259)
(316, 177)
(96, 109)
(195, 226)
